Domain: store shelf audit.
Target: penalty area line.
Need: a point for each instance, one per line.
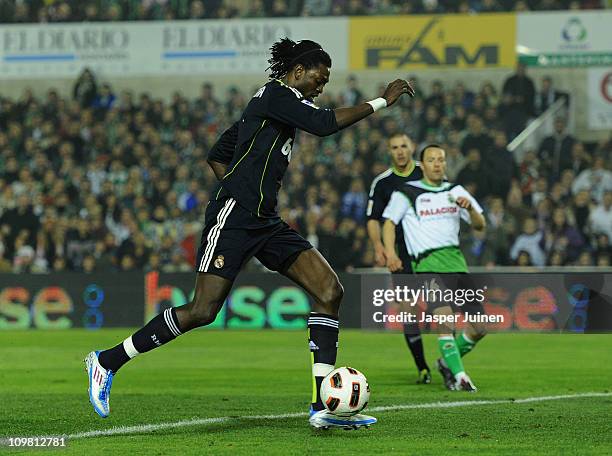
(146, 428)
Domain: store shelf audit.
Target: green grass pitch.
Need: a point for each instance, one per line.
(208, 374)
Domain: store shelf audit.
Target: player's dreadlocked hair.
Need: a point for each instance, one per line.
(287, 53)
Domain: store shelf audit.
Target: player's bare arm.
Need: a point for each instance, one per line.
(477, 219)
(218, 168)
(388, 235)
(374, 233)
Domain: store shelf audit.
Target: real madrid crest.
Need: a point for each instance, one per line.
(451, 199)
(219, 262)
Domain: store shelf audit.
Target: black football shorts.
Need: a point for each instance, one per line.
(232, 235)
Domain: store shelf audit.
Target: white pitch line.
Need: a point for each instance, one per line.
(146, 428)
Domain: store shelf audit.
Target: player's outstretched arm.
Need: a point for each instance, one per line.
(388, 235)
(348, 116)
(374, 233)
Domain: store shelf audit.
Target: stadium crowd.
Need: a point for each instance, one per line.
(119, 181)
(22, 11)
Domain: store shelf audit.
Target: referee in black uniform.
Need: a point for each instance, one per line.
(242, 219)
(403, 169)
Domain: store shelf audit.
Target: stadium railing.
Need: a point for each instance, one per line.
(536, 131)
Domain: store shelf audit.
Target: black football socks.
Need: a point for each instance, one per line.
(412, 334)
(323, 344)
(160, 330)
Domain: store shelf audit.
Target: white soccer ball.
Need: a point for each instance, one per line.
(345, 391)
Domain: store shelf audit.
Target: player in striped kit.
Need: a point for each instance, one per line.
(403, 170)
(430, 211)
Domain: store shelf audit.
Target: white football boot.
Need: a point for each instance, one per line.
(464, 383)
(324, 419)
(100, 382)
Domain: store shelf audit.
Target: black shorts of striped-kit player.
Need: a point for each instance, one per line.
(232, 235)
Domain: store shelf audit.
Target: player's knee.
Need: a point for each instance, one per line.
(480, 332)
(332, 296)
(477, 332)
(203, 313)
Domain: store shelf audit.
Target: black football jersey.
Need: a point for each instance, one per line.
(262, 143)
(381, 190)
(384, 185)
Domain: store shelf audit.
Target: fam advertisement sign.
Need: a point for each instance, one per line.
(565, 39)
(599, 83)
(421, 42)
(159, 48)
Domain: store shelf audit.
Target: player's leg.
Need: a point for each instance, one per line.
(412, 335)
(414, 340)
(211, 291)
(290, 254)
(446, 341)
(218, 262)
(412, 331)
(219, 259)
(469, 337)
(313, 273)
(474, 332)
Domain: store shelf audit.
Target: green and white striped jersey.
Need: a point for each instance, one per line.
(429, 216)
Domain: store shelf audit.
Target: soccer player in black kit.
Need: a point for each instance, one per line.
(242, 221)
(403, 169)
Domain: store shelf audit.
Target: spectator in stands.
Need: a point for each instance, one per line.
(529, 241)
(563, 236)
(547, 95)
(523, 259)
(85, 89)
(256, 8)
(603, 247)
(354, 202)
(105, 99)
(352, 95)
(580, 205)
(5, 264)
(197, 10)
(79, 243)
(477, 248)
(580, 159)
(89, 264)
(455, 162)
(595, 180)
(499, 162)
(501, 228)
(19, 222)
(474, 174)
(124, 167)
(521, 92)
(600, 220)
(356, 8)
(556, 150)
(477, 138)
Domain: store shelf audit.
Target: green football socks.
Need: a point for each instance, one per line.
(450, 353)
(464, 344)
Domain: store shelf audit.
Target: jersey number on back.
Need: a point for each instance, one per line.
(286, 150)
